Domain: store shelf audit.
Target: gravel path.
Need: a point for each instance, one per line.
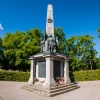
(89, 90)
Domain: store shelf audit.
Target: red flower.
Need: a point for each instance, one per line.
(58, 82)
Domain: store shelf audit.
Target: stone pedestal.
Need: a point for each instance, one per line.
(49, 66)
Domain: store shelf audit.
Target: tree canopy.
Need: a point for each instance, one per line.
(98, 32)
(81, 52)
(16, 48)
(19, 46)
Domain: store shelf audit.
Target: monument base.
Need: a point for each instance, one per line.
(50, 91)
(47, 67)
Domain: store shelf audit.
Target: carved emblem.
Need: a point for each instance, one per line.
(50, 20)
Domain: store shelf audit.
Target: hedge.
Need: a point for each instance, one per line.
(14, 76)
(88, 75)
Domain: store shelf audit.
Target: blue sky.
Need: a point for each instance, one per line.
(76, 17)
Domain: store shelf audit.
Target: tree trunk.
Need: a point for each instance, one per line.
(91, 65)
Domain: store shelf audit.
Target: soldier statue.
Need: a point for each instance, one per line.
(50, 43)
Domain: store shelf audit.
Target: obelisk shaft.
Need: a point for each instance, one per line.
(50, 21)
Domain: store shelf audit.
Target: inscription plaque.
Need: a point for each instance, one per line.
(57, 68)
(42, 69)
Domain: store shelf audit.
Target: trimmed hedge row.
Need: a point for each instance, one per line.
(88, 75)
(14, 76)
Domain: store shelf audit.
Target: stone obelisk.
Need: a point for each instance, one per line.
(50, 21)
(49, 34)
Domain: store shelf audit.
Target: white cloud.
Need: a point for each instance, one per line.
(1, 28)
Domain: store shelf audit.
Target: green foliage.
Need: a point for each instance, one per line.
(98, 32)
(14, 76)
(0, 50)
(18, 47)
(61, 40)
(97, 60)
(81, 52)
(1, 53)
(88, 75)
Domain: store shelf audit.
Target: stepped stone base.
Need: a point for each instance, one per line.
(51, 91)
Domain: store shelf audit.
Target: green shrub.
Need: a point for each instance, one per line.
(14, 76)
(88, 75)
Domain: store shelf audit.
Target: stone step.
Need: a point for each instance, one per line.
(63, 91)
(57, 88)
(62, 85)
(35, 88)
(53, 91)
(40, 92)
(62, 88)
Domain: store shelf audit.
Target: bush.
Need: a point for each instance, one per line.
(88, 75)
(14, 76)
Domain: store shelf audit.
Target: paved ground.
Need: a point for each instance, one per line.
(12, 91)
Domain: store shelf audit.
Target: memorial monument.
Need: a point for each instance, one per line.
(49, 65)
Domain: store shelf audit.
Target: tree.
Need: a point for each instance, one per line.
(1, 52)
(97, 62)
(81, 52)
(61, 40)
(18, 47)
(15, 49)
(0, 49)
(98, 32)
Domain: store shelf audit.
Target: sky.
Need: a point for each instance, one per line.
(75, 17)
